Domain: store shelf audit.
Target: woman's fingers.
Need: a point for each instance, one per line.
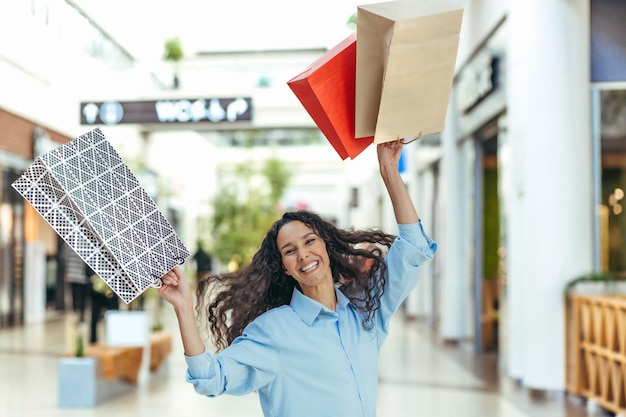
(171, 277)
(177, 272)
(389, 152)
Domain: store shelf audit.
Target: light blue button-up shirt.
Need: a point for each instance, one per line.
(306, 360)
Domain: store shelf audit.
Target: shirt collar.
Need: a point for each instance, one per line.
(309, 309)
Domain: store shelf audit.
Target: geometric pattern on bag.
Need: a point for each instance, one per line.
(93, 201)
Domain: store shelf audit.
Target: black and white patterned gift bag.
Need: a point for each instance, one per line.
(90, 197)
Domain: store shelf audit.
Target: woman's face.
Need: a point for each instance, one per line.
(304, 255)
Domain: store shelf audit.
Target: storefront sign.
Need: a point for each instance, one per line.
(207, 110)
(476, 81)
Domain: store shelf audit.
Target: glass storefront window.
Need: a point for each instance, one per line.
(612, 222)
(11, 252)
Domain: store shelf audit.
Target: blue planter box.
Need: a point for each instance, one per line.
(80, 383)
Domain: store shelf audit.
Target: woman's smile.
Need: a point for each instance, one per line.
(309, 267)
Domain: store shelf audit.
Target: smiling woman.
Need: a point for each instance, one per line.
(305, 258)
(306, 318)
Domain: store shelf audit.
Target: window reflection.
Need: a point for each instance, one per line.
(613, 160)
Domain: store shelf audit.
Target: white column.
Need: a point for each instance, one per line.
(455, 292)
(420, 302)
(34, 282)
(551, 216)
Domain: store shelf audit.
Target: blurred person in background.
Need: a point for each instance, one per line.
(78, 280)
(102, 299)
(203, 260)
(304, 322)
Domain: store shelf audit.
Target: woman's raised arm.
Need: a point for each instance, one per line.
(388, 159)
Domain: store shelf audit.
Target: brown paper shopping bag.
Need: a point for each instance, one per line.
(326, 89)
(406, 54)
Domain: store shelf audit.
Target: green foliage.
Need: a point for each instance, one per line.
(593, 277)
(79, 349)
(245, 209)
(351, 23)
(173, 50)
(609, 280)
(277, 177)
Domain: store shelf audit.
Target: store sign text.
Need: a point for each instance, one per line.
(477, 81)
(211, 110)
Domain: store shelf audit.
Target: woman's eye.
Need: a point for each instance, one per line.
(310, 240)
(289, 251)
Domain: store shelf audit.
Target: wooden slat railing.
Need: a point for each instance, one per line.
(596, 349)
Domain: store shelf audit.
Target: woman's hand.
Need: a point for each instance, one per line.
(175, 289)
(389, 154)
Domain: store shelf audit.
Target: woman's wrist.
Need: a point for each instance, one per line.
(184, 309)
(389, 171)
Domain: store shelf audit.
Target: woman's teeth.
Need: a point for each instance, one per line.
(309, 267)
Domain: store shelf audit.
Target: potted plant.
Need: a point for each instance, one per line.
(593, 283)
(77, 373)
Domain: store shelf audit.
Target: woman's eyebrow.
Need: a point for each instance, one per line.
(285, 245)
(306, 235)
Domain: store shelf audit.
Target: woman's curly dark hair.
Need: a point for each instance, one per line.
(232, 300)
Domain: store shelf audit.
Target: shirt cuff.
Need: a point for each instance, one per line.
(201, 366)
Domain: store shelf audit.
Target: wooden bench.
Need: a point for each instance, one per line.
(160, 348)
(118, 362)
(124, 362)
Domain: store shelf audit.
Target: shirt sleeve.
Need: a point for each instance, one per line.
(247, 365)
(411, 248)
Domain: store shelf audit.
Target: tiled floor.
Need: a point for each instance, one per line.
(419, 377)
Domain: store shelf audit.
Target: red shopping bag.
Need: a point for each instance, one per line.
(326, 89)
